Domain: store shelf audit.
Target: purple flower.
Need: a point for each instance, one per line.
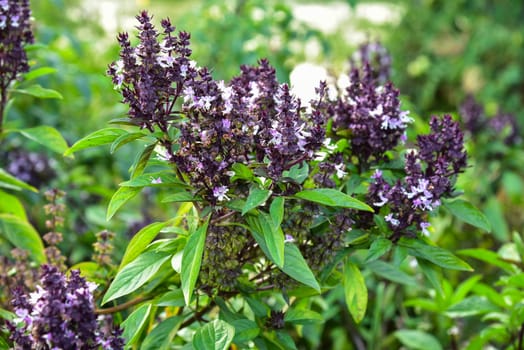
(377, 56)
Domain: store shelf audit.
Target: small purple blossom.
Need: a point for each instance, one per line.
(220, 193)
(377, 56)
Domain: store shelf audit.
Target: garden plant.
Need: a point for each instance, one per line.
(248, 219)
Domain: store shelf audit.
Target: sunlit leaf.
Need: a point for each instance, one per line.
(355, 291)
(215, 335)
(22, 235)
(332, 198)
(46, 136)
(38, 91)
(97, 138)
(191, 261)
(135, 323)
(120, 197)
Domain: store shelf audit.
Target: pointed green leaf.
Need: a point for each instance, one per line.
(487, 256)
(298, 173)
(135, 274)
(191, 260)
(140, 241)
(10, 204)
(22, 235)
(135, 323)
(38, 72)
(467, 212)
(355, 291)
(471, 306)
(141, 161)
(38, 91)
(332, 198)
(241, 172)
(182, 196)
(418, 340)
(162, 335)
(10, 182)
(125, 139)
(436, 255)
(159, 178)
(379, 247)
(255, 198)
(276, 210)
(97, 138)
(245, 330)
(432, 273)
(296, 267)
(392, 273)
(303, 316)
(121, 197)
(274, 238)
(215, 335)
(46, 136)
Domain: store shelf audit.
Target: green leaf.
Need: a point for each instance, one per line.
(295, 266)
(141, 161)
(120, 197)
(303, 316)
(432, 273)
(164, 178)
(10, 182)
(135, 274)
(39, 72)
(215, 335)
(418, 340)
(245, 330)
(355, 291)
(47, 136)
(191, 260)
(10, 204)
(298, 172)
(392, 273)
(379, 247)
(171, 298)
(182, 196)
(332, 198)
(255, 198)
(241, 172)
(125, 139)
(38, 91)
(276, 210)
(163, 334)
(97, 138)
(471, 306)
(274, 238)
(466, 212)
(436, 255)
(134, 325)
(140, 241)
(487, 256)
(22, 235)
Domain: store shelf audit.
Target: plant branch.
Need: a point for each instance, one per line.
(117, 308)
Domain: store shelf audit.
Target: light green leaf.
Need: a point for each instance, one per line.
(141, 161)
(471, 306)
(432, 273)
(191, 261)
(379, 247)
(10, 204)
(274, 238)
(276, 210)
(120, 197)
(135, 274)
(38, 91)
(135, 323)
(392, 273)
(22, 235)
(355, 291)
(47, 136)
(140, 241)
(215, 335)
(162, 177)
(125, 139)
(298, 173)
(10, 182)
(467, 212)
(182, 196)
(303, 316)
(332, 198)
(163, 334)
(39, 72)
(417, 340)
(487, 256)
(255, 198)
(171, 298)
(97, 138)
(436, 255)
(241, 172)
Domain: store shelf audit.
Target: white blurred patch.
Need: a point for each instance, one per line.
(304, 78)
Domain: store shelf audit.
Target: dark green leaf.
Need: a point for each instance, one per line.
(10, 182)
(466, 212)
(379, 247)
(163, 334)
(418, 340)
(39, 92)
(191, 261)
(274, 238)
(46, 136)
(140, 241)
(215, 335)
(125, 139)
(245, 330)
(296, 267)
(392, 273)
(255, 198)
(333, 198)
(135, 323)
(22, 235)
(436, 255)
(355, 291)
(97, 138)
(276, 210)
(135, 274)
(120, 197)
(182, 196)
